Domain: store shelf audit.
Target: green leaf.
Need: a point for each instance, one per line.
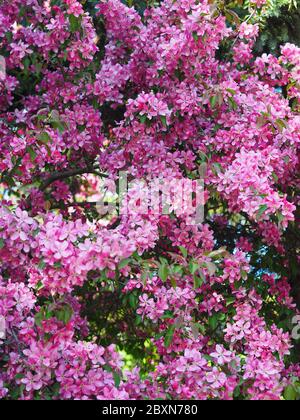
(202, 329)
(217, 167)
(9, 36)
(233, 104)
(231, 91)
(280, 217)
(10, 181)
(143, 118)
(213, 101)
(290, 393)
(117, 379)
(213, 322)
(57, 265)
(56, 389)
(44, 138)
(56, 122)
(41, 264)
(39, 317)
(163, 272)
(65, 314)
(15, 393)
(164, 120)
(107, 368)
(39, 286)
(75, 23)
(168, 315)
(169, 336)
(193, 266)
(124, 263)
(281, 124)
(183, 251)
(133, 301)
(177, 269)
(262, 210)
(230, 301)
(237, 392)
(195, 36)
(173, 283)
(32, 154)
(36, 232)
(198, 282)
(2, 243)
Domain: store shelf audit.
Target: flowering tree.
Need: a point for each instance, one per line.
(144, 304)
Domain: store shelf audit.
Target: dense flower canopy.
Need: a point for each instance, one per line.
(145, 304)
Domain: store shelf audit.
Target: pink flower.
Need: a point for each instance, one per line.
(221, 355)
(216, 378)
(248, 31)
(32, 382)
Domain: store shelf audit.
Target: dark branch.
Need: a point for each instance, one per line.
(57, 176)
(75, 204)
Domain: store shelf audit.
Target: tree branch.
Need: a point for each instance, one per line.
(76, 204)
(57, 176)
